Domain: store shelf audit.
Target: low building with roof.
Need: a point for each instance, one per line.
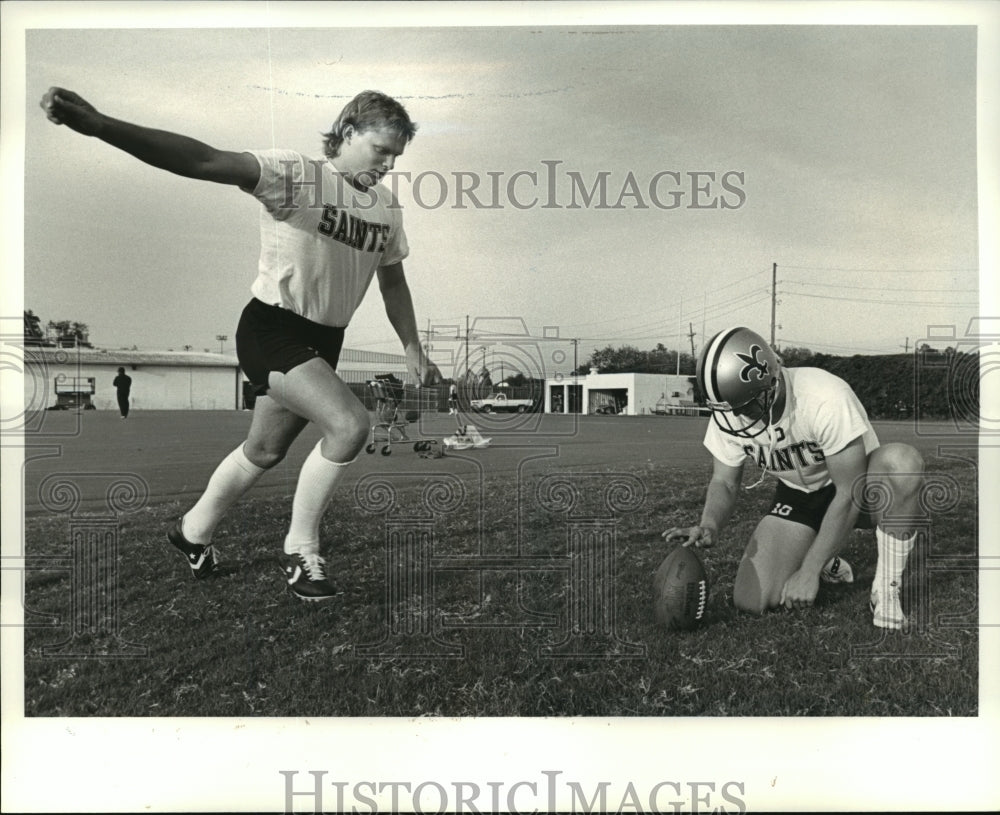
(72, 378)
(629, 394)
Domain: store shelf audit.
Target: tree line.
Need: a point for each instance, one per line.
(56, 333)
(928, 384)
(627, 359)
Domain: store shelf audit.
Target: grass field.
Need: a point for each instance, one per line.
(513, 581)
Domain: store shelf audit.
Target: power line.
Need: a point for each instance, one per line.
(877, 271)
(873, 288)
(923, 303)
(714, 313)
(665, 308)
(743, 304)
(774, 299)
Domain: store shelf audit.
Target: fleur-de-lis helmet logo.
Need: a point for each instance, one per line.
(753, 365)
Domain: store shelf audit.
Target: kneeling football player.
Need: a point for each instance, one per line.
(808, 428)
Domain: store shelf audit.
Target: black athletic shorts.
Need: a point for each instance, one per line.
(271, 338)
(809, 507)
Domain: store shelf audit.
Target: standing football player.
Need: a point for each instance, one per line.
(808, 428)
(327, 228)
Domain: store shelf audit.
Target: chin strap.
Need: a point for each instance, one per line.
(767, 459)
(771, 442)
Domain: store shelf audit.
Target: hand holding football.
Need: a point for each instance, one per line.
(680, 590)
(701, 536)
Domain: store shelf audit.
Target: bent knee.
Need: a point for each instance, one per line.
(898, 459)
(750, 604)
(750, 594)
(900, 467)
(348, 428)
(263, 456)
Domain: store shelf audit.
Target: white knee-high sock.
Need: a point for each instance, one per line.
(892, 555)
(317, 481)
(231, 479)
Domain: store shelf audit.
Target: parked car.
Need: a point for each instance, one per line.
(499, 402)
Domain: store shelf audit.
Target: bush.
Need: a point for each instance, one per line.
(902, 385)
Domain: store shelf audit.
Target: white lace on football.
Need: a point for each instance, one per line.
(702, 598)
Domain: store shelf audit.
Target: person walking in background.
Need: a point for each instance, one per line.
(453, 400)
(123, 388)
(327, 227)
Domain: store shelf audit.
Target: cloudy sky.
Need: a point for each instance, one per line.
(845, 155)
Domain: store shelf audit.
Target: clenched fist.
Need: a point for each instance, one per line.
(64, 107)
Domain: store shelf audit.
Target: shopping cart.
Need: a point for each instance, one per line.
(74, 392)
(389, 426)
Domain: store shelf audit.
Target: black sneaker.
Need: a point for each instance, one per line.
(306, 576)
(199, 557)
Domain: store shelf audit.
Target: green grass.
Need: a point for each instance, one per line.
(239, 645)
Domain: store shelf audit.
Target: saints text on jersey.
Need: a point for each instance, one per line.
(366, 236)
(787, 457)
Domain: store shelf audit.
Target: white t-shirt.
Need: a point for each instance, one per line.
(822, 416)
(321, 240)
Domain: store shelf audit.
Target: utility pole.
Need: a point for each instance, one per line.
(774, 298)
(571, 393)
(906, 346)
(680, 312)
(222, 341)
(691, 337)
(704, 312)
(467, 347)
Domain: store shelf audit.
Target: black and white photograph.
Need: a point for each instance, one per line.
(498, 407)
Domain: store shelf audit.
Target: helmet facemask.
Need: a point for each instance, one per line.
(757, 411)
(738, 374)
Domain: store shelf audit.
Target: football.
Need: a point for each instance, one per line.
(680, 590)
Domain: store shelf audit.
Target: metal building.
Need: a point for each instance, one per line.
(161, 380)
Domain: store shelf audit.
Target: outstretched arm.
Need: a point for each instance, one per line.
(167, 151)
(399, 308)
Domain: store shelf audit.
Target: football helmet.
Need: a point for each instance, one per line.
(738, 374)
